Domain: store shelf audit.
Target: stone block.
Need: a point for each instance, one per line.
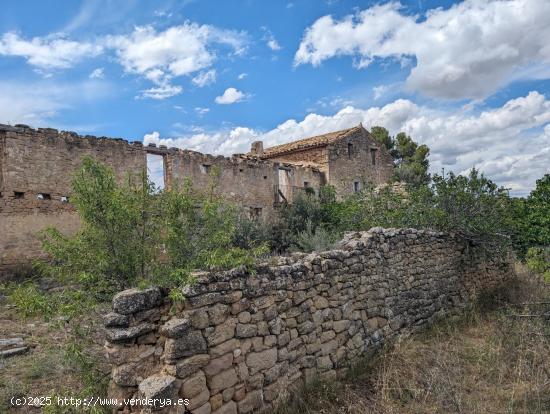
(191, 365)
(175, 328)
(190, 344)
(223, 380)
(135, 300)
(258, 361)
(252, 401)
(217, 365)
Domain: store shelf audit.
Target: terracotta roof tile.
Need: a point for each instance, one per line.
(312, 142)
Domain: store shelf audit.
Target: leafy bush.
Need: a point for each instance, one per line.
(132, 235)
(118, 242)
(311, 240)
(538, 260)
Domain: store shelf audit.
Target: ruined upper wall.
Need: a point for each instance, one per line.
(43, 160)
(36, 169)
(241, 341)
(350, 161)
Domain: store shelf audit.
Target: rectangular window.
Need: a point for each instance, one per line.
(373, 156)
(18, 194)
(356, 186)
(205, 168)
(255, 213)
(306, 184)
(43, 196)
(350, 150)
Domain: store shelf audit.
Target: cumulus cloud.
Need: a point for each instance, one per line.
(177, 51)
(498, 141)
(205, 78)
(230, 96)
(466, 51)
(51, 52)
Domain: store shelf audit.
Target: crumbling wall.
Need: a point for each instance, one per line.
(317, 156)
(35, 185)
(242, 341)
(350, 162)
(246, 181)
(36, 169)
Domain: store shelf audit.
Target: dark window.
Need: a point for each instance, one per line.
(350, 150)
(373, 156)
(265, 177)
(356, 186)
(306, 184)
(205, 168)
(18, 194)
(44, 196)
(255, 212)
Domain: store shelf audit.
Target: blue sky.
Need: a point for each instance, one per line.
(470, 79)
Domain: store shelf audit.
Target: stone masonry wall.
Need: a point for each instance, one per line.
(39, 163)
(241, 341)
(344, 170)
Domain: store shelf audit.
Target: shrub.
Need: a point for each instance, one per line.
(538, 260)
(132, 235)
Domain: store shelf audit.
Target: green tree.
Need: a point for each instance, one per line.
(411, 160)
(382, 136)
(118, 241)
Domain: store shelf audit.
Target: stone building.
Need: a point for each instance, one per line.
(37, 165)
(348, 159)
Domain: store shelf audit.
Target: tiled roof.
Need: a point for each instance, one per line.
(312, 142)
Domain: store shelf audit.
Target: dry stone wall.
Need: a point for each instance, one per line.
(243, 340)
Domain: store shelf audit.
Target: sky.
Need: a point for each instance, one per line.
(469, 79)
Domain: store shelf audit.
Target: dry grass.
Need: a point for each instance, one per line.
(486, 360)
(53, 366)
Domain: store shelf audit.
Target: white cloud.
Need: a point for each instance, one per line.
(177, 51)
(230, 96)
(50, 52)
(205, 78)
(273, 44)
(498, 141)
(201, 111)
(466, 51)
(270, 40)
(242, 76)
(161, 92)
(98, 73)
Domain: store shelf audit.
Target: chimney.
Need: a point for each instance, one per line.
(257, 148)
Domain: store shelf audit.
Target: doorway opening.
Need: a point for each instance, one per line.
(156, 171)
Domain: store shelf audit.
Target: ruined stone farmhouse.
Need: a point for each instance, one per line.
(37, 165)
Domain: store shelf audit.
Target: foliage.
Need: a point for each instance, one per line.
(118, 242)
(200, 231)
(472, 207)
(132, 235)
(411, 159)
(311, 240)
(30, 300)
(538, 260)
(382, 136)
(532, 217)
